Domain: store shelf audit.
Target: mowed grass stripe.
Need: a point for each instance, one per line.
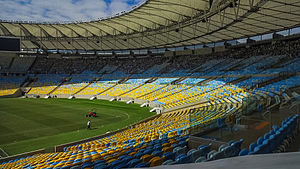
(23, 126)
(38, 120)
(29, 124)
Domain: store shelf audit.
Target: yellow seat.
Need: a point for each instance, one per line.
(156, 161)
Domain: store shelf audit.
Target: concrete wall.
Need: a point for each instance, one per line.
(184, 52)
(169, 53)
(220, 49)
(123, 99)
(60, 95)
(203, 51)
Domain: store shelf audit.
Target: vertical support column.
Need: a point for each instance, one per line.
(56, 44)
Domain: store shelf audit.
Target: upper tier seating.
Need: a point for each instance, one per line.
(45, 84)
(21, 64)
(73, 86)
(98, 87)
(149, 87)
(167, 92)
(281, 86)
(265, 58)
(253, 81)
(124, 87)
(9, 85)
(4, 63)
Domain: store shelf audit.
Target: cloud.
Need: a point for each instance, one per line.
(62, 10)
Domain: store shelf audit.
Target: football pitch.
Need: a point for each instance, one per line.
(31, 124)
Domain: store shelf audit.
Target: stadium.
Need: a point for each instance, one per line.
(167, 84)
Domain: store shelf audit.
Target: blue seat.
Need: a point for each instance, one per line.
(138, 155)
(157, 153)
(275, 128)
(87, 164)
(169, 162)
(129, 151)
(237, 144)
(211, 153)
(201, 146)
(231, 142)
(74, 167)
(191, 151)
(230, 151)
(176, 149)
(181, 150)
(174, 145)
(267, 136)
(121, 165)
(182, 159)
(123, 156)
(66, 167)
(133, 162)
(99, 161)
(106, 157)
(169, 156)
(222, 147)
(258, 150)
(236, 147)
(148, 151)
(194, 155)
(127, 159)
(273, 139)
(204, 149)
(182, 143)
(243, 152)
(100, 167)
(216, 156)
(260, 140)
(267, 146)
(157, 147)
(99, 164)
(200, 159)
(164, 140)
(142, 150)
(114, 163)
(252, 146)
(141, 165)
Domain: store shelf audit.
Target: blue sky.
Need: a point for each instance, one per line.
(62, 10)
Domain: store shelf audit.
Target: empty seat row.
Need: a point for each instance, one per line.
(271, 141)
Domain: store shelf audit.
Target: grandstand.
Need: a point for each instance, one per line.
(222, 78)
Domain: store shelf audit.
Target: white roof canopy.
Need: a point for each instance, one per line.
(163, 23)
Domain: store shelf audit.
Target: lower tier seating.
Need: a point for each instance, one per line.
(5, 92)
(138, 153)
(276, 140)
(149, 143)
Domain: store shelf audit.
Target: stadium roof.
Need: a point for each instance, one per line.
(162, 23)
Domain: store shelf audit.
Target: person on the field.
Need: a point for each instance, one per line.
(89, 124)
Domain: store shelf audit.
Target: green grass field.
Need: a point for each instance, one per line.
(31, 124)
